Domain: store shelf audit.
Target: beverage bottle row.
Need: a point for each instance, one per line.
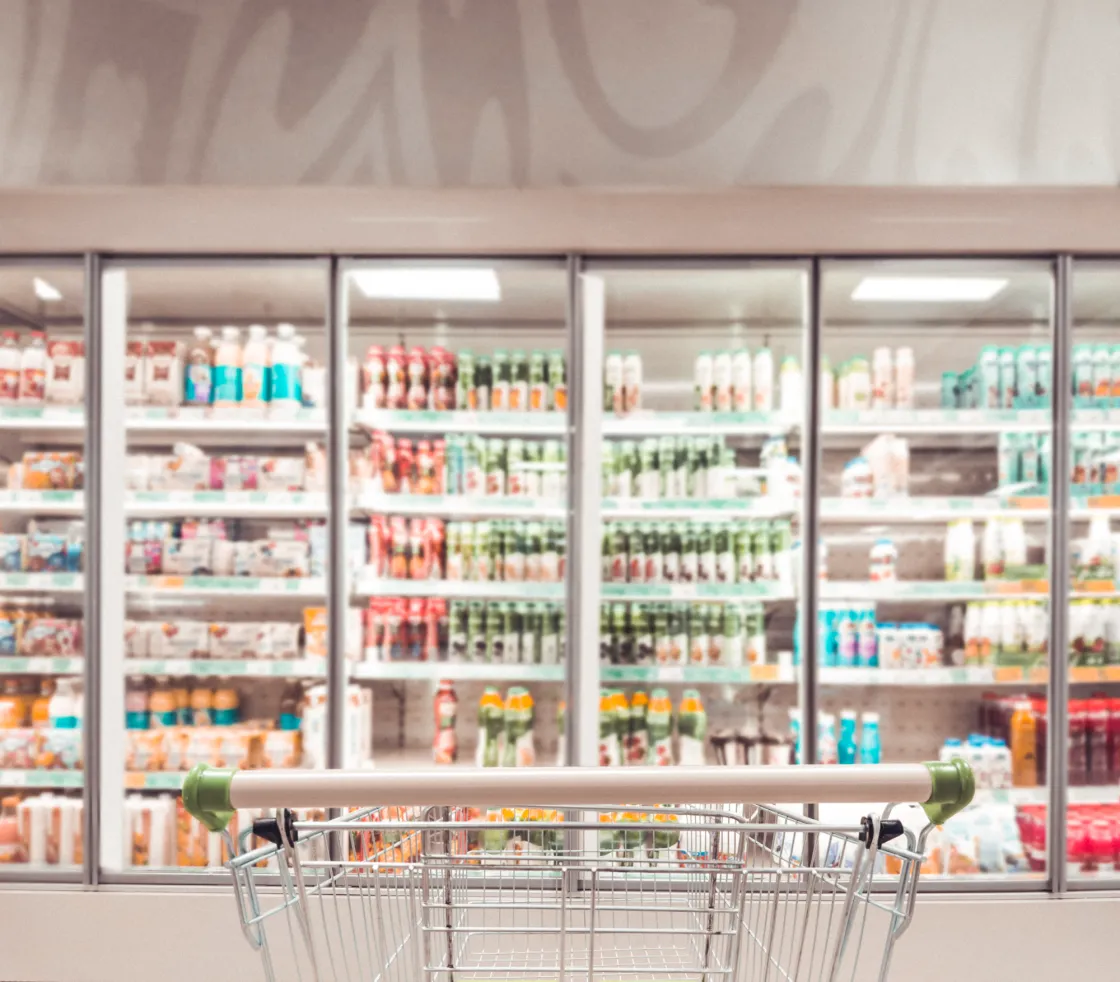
(639, 731)
(728, 635)
(669, 468)
(499, 632)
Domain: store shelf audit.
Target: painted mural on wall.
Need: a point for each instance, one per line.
(542, 93)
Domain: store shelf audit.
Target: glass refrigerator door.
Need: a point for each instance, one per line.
(42, 538)
(457, 507)
(933, 629)
(223, 541)
(1093, 815)
(702, 399)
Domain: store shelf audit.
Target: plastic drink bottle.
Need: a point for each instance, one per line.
(255, 368)
(827, 750)
(33, 369)
(287, 364)
(227, 370)
(846, 746)
(198, 388)
(10, 363)
(870, 747)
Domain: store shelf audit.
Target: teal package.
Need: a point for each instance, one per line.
(227, 383)
(1026, 371)
(285, 383)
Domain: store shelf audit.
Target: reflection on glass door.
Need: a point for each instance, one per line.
(42, 538)
(936, 467)
(225, 545)
(702, 396)
(457, 506)
(1093, 814)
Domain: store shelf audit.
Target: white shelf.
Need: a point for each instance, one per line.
(1081, 794)
(459, 506)
(920, 509)
(647, 423)
(227, 504)
(551, 424)
(934, 590)
(456, 671)
(204, 667)
(42, 666)
(153, 780)
(38, 418)
(226, 586)
(42, 582)
(934, 422)
(759, 590)
(190, 419)
(12, 778)
(697, 510)
(458, 589)
(42, 502)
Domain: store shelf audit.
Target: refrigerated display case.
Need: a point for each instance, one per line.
(42, 564)
(429, 490)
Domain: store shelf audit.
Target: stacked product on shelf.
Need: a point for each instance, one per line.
(189, 468)
(42, 829)
(1096, 376)
(462, 465)
(41, 371)
(178, 639)
(47, 470)
(1092, 837)
(639, 731)
(49, 546)
(265, 374)
(852, 744)
(886, 381)
(483, 551)
(728, 635)
(737, 381)
(212, 548)
(882, 470)
(494, 632)
(41, 731)
(171, 728)
(698, 552)
(1002, 378)
(440, 380)
(695, 468)
(505, 729)
(30, 634)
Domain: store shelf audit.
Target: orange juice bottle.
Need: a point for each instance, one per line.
(41, 707)
(1024, 763)
(13, 708)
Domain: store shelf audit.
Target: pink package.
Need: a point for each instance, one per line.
(241, 473)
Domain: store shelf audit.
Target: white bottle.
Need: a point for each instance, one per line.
(826, 739)
(1097, 552)
(1014, 540)
(992, 548)
(287, 365)
(828, 384)
(960, 552)
(741, 380)
(791, 394)
(255, 369)
(721, 382)
(904, 378)
(227, 370)
(763, 381)
(62, 707)
(10, 363)
(999, 764)
(33, 369)
(882, 379)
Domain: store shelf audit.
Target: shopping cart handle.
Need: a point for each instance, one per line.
(954, 784)
(211, 794)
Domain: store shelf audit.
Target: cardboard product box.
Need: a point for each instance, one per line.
(163, 373)
(66, 374)
(52, 637)
(184, 472)
(136, 637)
(281, 641)
(237, 639)
(179, 639)
(188, 557)
(12, 552)
(279, 557)
(280, 474)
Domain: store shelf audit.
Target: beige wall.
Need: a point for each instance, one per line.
(569, 92)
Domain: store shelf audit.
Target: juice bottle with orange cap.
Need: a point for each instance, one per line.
(1024, 769)
(445, 747)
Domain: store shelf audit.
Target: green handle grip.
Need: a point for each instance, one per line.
(953, 787)
(206, 795)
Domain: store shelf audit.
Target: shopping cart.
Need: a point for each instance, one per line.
(572, 873)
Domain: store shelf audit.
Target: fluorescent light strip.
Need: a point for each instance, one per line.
(45, 290)
(429, 283)
(933, 289)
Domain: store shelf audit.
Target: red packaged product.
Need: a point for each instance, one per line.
(417, 397)
(435, 620)
(374, 378)
(417, 549)
(1114, 741)
(414, 642)
(396, 622)
(442, 379)
(1096, 714)
(425, 467)
(378, 546)
(439, 451)
(405, 466)
(1078, 743)
(1102, 844)
(399, 549)
(396, 379)
(434, 542)
(384, 454)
